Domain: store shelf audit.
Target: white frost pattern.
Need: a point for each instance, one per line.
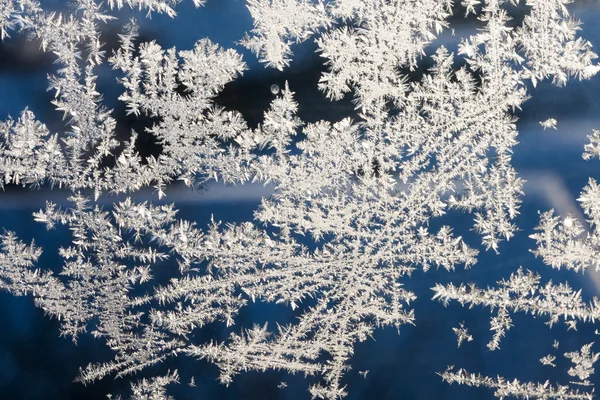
(361, 191)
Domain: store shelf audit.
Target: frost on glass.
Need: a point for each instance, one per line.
(361, 191)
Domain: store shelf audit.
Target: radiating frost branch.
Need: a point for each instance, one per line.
(96, 265)
(548, 40)
(102, 263)
(191, 130)
(504, 388)
(27, 154)
(469, 123)
(153, 388)
(592, 149)
(583, 368)
(91, 126)
(159, 6)
(279, 270)
(522, 292)
(385, 37)
(17, 14)
(91, 138)
(359, 166)
(375, 38)
(280, 23)
(16, 267)
(565, 242)
(365, 43)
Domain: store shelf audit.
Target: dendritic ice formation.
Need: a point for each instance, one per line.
(349, 216)
(561, 243)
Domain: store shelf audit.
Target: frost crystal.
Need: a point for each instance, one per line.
(548, 360)
(462, 334)
(504, 388)
(584, 361)
(549, 123)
